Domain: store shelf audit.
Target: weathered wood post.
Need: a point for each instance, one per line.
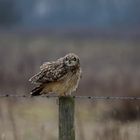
(66, 118)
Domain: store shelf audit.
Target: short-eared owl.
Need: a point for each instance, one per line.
(61, 76)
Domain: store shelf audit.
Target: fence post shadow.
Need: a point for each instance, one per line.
(66, 118)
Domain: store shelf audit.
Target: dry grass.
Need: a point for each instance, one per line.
(37, 119)
(110, 67)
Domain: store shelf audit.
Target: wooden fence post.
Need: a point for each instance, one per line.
(66, 118)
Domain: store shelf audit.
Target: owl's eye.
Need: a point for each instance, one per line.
(74, 59)
(66, 59)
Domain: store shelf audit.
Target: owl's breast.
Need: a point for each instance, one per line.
(66, 85)
(71, 82)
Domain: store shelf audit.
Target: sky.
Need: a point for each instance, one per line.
(99, 14)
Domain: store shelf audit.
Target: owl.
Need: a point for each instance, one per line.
(61, 76)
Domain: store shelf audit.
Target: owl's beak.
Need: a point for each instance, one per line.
(69, 62)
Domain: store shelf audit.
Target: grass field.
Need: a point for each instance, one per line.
(37, 119)
(110, 67)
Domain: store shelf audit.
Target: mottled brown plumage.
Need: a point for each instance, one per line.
(61, 76)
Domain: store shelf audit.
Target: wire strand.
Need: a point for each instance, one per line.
(76, 97)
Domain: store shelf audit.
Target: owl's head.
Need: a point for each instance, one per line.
(71, 60)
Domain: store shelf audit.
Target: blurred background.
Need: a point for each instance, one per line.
(106, 36)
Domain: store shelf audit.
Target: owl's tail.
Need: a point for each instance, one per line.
(36, 91)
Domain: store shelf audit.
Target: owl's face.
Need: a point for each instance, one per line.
(71, 60)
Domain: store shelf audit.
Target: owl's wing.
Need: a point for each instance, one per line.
(45, 65)
(50, 72)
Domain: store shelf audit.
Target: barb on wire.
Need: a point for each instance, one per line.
(77, 97)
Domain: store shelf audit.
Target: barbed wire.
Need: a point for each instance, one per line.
(75, 97)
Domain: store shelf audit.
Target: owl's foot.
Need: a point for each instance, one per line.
(62, 95)
(66, 94)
